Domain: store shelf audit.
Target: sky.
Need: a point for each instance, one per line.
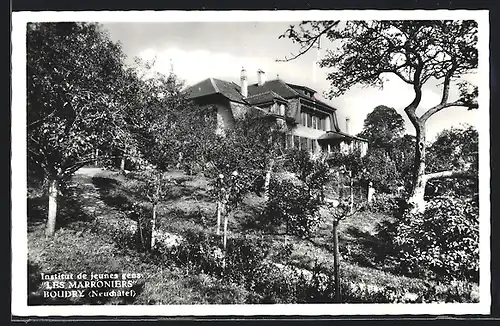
(199, 50)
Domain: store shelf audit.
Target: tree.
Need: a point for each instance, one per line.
(73, 71)
(404, 158)
(339, 210)
(417, 52)
(382, 128)
(295, 197)
(159, 118)
(441, 243)
(236, 162)
(455, 149)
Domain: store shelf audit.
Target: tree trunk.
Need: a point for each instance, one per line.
(340, 186)
(219, 211)
(416, 199)
(224, 239)
(371, 192)
(351, 193)
(336, 261)
(52, 215)
(96, 157)
(268, 179)
(141, 235)
(122, 164)
(153, 228)
(224, 243)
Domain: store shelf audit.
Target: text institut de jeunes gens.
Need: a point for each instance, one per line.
(70, 285)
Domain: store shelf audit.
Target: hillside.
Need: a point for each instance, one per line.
(98, 233)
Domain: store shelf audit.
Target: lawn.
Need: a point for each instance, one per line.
(96, 234)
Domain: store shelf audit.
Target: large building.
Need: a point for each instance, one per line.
(311, 124)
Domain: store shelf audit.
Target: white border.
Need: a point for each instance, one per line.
(19, 179)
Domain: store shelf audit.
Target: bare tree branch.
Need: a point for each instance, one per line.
(451, 174)
(310, 41)
(440, 107)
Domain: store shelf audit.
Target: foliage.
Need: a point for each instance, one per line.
(404, 159)
(159, 117)
(245, 254)
(292, 204)
(241, 156)
(231, 189)
(386, 164)
(382, 127)
(382, 171)
(441, 243)
(294, 200)
(417, 52)
(73, 71)
(351, 162)
(384, 203)
(454, 149)
(202, 253)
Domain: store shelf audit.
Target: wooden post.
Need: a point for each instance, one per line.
(336, 260)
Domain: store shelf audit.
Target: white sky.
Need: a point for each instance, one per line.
(199, 50)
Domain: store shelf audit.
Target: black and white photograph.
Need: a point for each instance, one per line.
(250, 163)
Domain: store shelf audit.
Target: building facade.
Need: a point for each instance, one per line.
(308, 122)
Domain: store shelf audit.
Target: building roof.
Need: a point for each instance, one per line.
(301, 87)
(286, 90)
(212, 86)
(265, 97)
(329, 135)
(275, 89)
(278, 86)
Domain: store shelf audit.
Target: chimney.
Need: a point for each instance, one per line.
(261, 77)
(244, 82)
(347, 125)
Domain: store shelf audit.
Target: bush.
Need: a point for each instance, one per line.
(293, 204)
(200, 252)
(275, 283)
(244, 256)
(442, 243)
(384, 203)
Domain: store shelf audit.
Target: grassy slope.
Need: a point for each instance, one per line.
(106, 197)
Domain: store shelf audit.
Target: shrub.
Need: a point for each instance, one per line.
(244, 256)
(292, 203)
(384, 203)
(443, 242)
(199, 252)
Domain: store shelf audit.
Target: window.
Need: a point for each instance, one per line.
(303, 143)
(282, 109)
(274, 108)
(315, 124)
(296, 142)
(309, 120)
